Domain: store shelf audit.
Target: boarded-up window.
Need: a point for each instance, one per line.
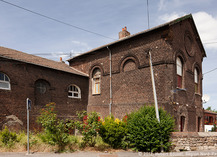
(42, 92)
(129, 65)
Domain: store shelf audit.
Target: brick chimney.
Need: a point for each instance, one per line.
(124, 33)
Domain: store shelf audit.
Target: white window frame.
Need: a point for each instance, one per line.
(196, 80)
(73, 93)
(179, 72)
(96, 81)
(5, 80)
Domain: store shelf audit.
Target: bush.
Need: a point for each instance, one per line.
(113, 132)
(145, 133)
(8, 138)
(89, 127)
(55, 130)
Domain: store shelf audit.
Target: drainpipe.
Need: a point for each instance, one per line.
(153, 86)
(110, 76)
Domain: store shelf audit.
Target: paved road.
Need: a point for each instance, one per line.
(116, 154)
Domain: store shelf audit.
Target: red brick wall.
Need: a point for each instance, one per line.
(23, 77)
(133, 88)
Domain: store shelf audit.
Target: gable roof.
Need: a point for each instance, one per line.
(189, 16)
(39, 61)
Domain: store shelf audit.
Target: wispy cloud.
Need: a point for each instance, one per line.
(205, 23)
(171, 16)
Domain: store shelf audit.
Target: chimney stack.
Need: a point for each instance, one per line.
(124, 33)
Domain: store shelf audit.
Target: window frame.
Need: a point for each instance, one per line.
(5, 81)
(196, 80)
(96, 81)
(73, 92)
(179, 72)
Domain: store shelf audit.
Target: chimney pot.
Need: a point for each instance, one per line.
(124, 33)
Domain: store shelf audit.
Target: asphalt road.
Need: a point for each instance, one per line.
(115, 154)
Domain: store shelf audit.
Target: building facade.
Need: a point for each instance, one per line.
(25, 76)
(120, 79)
(210, 118)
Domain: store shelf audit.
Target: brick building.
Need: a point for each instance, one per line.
(114, 78)
(26, 76)
(120, 79)
(210, 118)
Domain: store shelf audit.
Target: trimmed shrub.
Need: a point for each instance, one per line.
(113, 132)
(146, 134)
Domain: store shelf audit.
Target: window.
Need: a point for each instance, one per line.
(196, 80)
(74, 92)
(129, 65)
(96, 78)
(179, 69)
(41, 87)
(4, 82)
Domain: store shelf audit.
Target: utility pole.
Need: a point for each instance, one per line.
(154, 88)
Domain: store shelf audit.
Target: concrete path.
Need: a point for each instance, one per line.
(115, 154)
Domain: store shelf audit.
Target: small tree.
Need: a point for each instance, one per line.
(145, 133)
(55, 130)
(89, 126)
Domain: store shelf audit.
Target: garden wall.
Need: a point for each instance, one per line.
(194, 141)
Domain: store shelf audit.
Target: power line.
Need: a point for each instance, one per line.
(210, 71)
(56, 20)
(215, 42)
(148, 13)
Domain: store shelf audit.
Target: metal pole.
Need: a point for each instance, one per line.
(110, 78)
(154, 89)
(27, 131)
(28, 107)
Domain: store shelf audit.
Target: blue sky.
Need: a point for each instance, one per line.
(30, 33)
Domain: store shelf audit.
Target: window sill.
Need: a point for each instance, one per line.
(74, 97)
(180, 89)
(197, 94)
(5, 89)
(95, 94)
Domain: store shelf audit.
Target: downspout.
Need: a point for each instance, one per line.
(110, 81)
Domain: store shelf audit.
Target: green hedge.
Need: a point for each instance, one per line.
(146, 134)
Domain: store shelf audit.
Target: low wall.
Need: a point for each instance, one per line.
(183, 141)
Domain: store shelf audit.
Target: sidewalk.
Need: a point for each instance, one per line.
(115, 154)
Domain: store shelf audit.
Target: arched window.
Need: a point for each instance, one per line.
(41, 86)
(74, 91)
(129, 65)
(4, 82)
(96, 79)
(196, 80)
(179, 72)
(42, 92)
